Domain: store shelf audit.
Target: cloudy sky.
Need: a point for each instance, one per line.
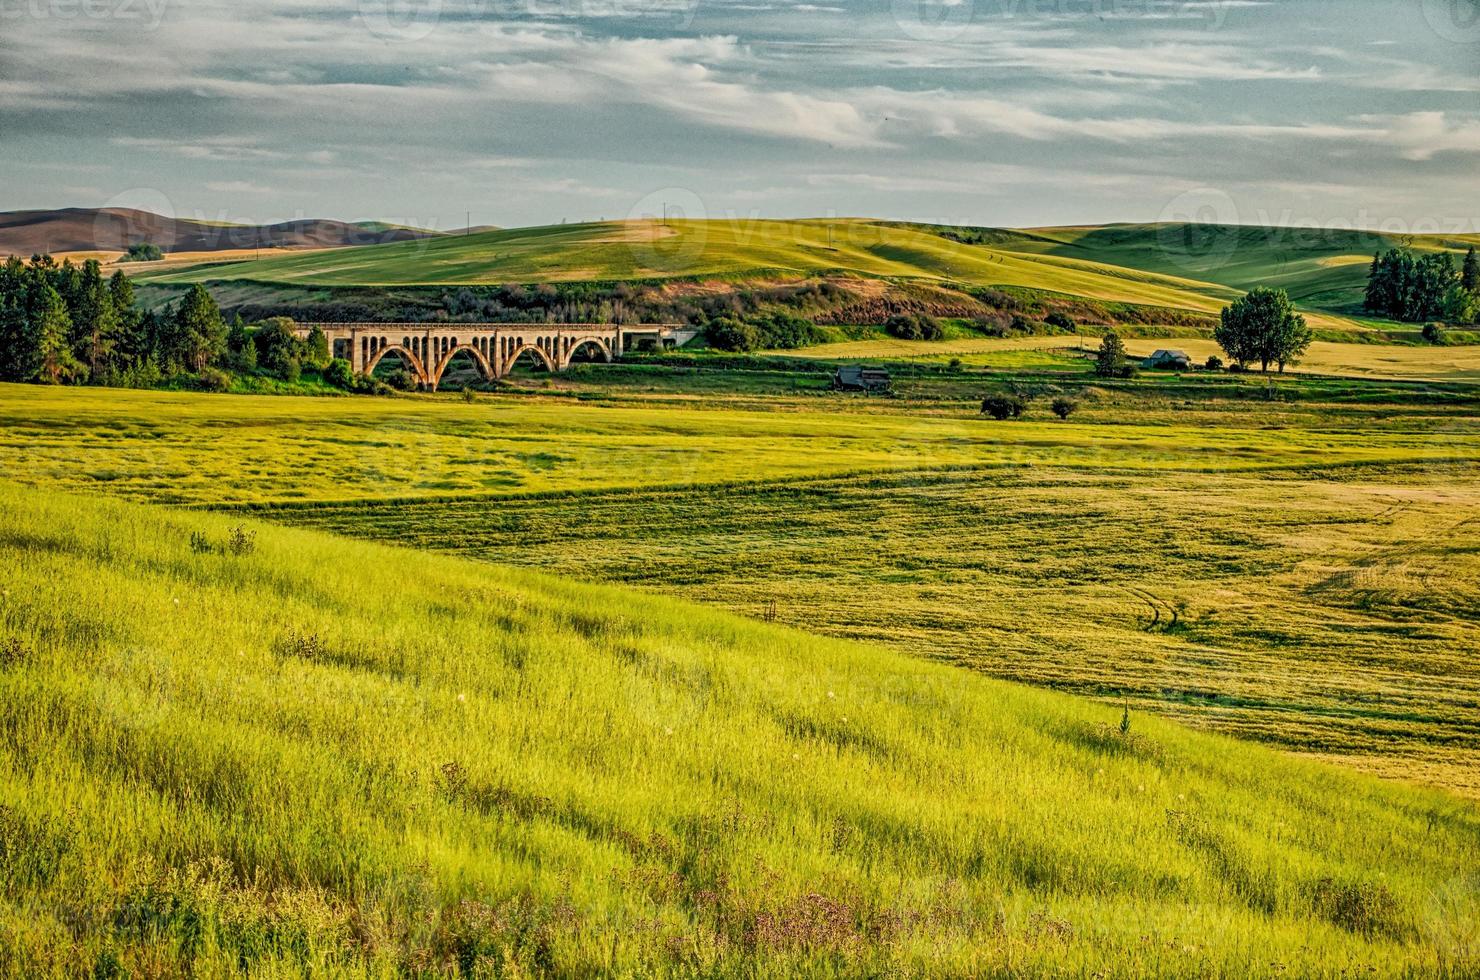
(997, 112)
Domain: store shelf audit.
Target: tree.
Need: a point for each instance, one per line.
(278, 348)
(728, 333)
(1064, 407)
(144, 252)
(339, 374)
(131, 346)
(1469, 275)
(316, 349)
(95, 324)
(914, 326)
(47, 326)
(1263, 326)
(15, 353)
(1002, 407)
(1110, 361)
(199, 333)
(241, 349)
(1410, 288)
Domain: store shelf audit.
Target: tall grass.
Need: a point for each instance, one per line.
(319, 755)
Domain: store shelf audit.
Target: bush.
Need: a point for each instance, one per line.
(291, 372)
(1433, 333)
(1002, 407)
(728, 333)
(913, 326)
(1059, 321)
(1064, 407)
(213, 379)
(1214, 363)
(402, 380)
(339, 374)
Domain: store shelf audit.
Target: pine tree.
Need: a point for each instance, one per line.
(48, 324)
(199, 333)
(132, 346)
(16, 362)
(95, 326)
(1469, 277)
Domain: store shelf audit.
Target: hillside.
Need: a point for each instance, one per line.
(115, 229)
(276, 751)
(1194, 268)
(1319, 267)
(648, 250)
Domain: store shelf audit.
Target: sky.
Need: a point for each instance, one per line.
(1332, 113)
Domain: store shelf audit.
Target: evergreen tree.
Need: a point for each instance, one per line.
(199, 333)
(95, 326)
(47, 327)
(131, 347)
(241, 350)
(1469, 276)
(16, 361)
(316, 349)
(1110, 361)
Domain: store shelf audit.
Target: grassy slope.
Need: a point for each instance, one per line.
(645, 250)
(1194, 267)
(1320, 268)
(341, 757)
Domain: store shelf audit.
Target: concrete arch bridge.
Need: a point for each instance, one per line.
(428, 349)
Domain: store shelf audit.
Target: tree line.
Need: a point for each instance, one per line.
(1417, 288)
(65, 323)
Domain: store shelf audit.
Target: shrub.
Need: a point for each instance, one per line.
(469, 395)
(729, 333)
(1059, 321)
(213, 379)
(401, 380)
(1433, 333)
(1214, 363)
(1021, 324)
(1002, 407)
(339, 374)
(914, 326)
(1064, 407)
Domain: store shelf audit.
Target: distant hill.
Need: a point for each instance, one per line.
(115, 229)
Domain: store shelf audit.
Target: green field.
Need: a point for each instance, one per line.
(319, 754)
(313, 755)
(1195, 268)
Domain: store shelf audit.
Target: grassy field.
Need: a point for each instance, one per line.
(303, 754)
(1298, 571)
(177, 447)
(1424, 363)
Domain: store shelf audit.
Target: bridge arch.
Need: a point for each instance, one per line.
(411, 360)
(599, 344)
(519, 348)
(479, 358)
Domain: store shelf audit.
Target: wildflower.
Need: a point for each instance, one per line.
(831, 694)
(462, 697)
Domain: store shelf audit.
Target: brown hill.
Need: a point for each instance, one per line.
(115, 229)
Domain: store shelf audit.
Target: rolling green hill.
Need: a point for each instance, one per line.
(699, 249)
(1320, 268)
(1190, 267)
(238, 748)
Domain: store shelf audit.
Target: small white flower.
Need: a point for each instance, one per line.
(177, 602)
(795, 757)
(462, 697)
(667, 731)
(831, 694)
